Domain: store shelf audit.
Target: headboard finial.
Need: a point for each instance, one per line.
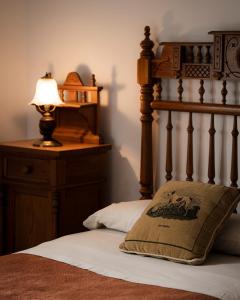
(147, 31)
(147, 44)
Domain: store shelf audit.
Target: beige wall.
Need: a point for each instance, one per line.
(13, 119)
(102, 37)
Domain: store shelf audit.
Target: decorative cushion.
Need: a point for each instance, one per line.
(228, 241)
(182, 221)
(118, 216)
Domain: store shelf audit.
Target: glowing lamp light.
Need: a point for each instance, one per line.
(46, 99)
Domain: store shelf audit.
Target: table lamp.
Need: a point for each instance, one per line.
(45, 100)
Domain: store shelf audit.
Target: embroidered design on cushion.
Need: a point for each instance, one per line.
(175, 206)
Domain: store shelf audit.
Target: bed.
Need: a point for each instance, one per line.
(89, 265)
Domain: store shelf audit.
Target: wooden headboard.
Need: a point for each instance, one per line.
(217, 60)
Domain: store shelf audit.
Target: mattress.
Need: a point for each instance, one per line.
(97, 251)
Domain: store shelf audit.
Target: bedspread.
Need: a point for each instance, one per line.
(25, 276)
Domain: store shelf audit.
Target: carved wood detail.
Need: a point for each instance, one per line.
(169, 148)
(146, 174)
(224, 91)
(190, 57)
(200, 59)
(211, 157)
(234, 160)
(189, 168)
(180, 89)
(208, 55)
(201, 90)
(159, 90)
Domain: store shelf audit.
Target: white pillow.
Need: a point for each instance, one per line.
(228, 241)
(119, 216)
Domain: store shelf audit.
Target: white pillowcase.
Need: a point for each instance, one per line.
(122, 216)
(119, 216)
(228, 241)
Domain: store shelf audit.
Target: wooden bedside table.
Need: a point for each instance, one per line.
(48, 192)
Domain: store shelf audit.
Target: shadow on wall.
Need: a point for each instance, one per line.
(123, 182)
(85, 74)
(168, 26)
(175, 31)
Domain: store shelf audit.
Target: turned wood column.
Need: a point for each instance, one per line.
(146, 97)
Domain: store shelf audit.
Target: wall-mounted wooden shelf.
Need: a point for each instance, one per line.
(78, 118)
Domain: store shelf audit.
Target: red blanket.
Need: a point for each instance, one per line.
(24, 276)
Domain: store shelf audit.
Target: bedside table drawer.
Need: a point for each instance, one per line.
(26, 169)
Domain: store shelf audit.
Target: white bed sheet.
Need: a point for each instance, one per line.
(97, 250)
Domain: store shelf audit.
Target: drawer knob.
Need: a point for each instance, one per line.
(27, 169)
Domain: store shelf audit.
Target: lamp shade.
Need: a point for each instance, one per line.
(46, 92)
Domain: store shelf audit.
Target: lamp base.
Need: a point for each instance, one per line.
(46, 143)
